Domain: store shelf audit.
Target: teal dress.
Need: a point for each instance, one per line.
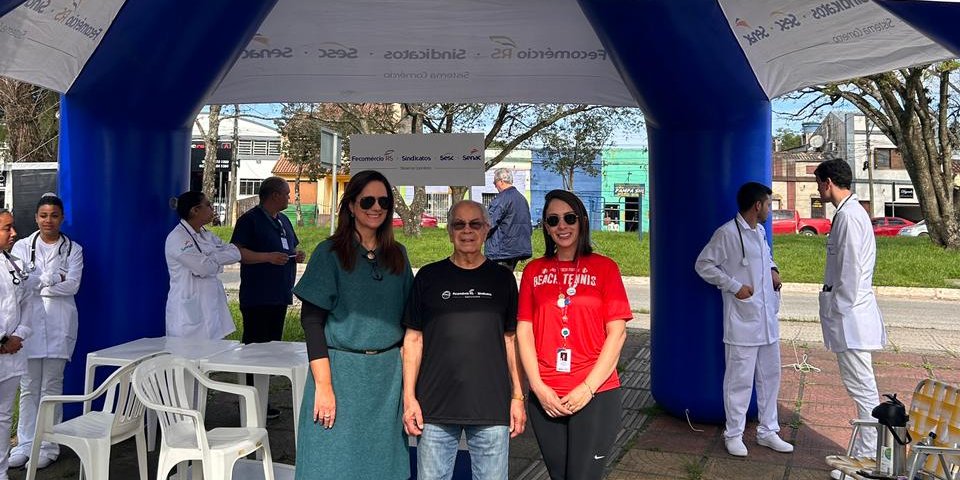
(367, 440)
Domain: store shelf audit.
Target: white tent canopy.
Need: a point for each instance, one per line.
(540, 51)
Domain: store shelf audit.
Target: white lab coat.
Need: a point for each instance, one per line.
(49, 301)
(849, 315)
(753, 321)
(12, 321)
(197, 303)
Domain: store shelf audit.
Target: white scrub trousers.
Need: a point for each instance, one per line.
(44, 377)
(746, 366)
(8, 391)
(856, 371)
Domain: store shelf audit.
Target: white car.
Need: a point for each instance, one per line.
(918, 229)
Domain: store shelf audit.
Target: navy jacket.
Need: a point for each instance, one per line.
(510, 231)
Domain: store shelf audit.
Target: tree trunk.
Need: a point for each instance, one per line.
(210, 142)
(570, 178)
(457, 194)
(296, 196)
(234, 165)
(411, 214)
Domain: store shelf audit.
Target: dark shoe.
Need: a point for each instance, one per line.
(272, 413)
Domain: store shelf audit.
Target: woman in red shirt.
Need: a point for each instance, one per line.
(571, 326)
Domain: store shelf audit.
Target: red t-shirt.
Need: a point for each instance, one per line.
(600, 298)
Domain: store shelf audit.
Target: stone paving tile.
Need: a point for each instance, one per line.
(756, 453)
(901, 357)
(808, 474)
(657, 464)
(694, 443)
(738, 469)
(618, 474)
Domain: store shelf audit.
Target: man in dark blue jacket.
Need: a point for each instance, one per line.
(509, 239)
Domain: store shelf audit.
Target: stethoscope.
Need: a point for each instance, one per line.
(185, 229)
(743, 251)
(15, 273)
(32, 266)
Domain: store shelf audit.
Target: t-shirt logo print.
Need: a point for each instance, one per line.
(445, 295)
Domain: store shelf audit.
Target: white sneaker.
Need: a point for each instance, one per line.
(775, 443)
(44, 462)
(17, 460)
(735, 446)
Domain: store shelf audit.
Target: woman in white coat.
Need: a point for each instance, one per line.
(14, 328)
(197, 303)
(54, 264)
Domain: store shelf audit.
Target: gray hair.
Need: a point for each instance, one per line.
(453, 209)
(505, 175)
(270, 185)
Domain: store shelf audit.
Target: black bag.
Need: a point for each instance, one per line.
(892, 413)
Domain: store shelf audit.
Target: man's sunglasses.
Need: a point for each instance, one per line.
(568, 218)
(366, 203)
(460, 225)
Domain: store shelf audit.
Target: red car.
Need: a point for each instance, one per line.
(789, 221)
(425, 221)
(889, 226)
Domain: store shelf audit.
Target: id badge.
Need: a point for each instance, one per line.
(283, 241)
(563, 360)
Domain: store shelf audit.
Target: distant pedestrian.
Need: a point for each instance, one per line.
(268, 258)
(738, 261)
(571, 325)
(509, 239)
(849, 316)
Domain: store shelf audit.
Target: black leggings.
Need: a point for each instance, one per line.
(576, 447)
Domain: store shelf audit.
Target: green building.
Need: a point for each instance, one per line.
(625, 189)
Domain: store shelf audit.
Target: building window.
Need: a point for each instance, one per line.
(438, 206)
(249, 187)
(274, 147)
(487, 199)
(260, 147)
(245, 147)
(881, 158)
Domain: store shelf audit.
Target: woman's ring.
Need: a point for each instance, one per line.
(326, 415)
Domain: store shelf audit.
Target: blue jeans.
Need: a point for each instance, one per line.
(489, 447)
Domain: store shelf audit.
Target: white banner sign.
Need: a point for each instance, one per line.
(796, 43)
(432, 159)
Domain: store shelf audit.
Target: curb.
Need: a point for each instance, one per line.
(917, 293)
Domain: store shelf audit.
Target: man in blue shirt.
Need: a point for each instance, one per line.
(268, 258)
(509, 239)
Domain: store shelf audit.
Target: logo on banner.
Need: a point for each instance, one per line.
(68, 17)
(508, 49)
(473, 156)
(335, 50)
(742, 23)
(388, 155)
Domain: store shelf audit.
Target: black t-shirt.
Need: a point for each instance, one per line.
(463, 315)
(265, 283)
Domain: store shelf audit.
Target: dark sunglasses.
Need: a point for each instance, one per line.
(568, 218)
(460, 225)
(366, 203)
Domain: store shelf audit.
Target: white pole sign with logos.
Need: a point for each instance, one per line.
(431, 159)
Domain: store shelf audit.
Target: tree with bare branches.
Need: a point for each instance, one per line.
(211, 142)
(912, 107)
(29, 121)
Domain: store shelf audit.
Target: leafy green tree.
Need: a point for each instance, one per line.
(302, 147)
(788, 139)
(575, 144)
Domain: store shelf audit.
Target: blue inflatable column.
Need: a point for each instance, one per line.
(124, 152)
(708, 125)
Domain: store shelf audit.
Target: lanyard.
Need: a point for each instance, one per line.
(564, 301)
(15, 273)
(277, 223)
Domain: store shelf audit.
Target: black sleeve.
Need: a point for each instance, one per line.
(413, 313)
(510, 320)
(313, 319)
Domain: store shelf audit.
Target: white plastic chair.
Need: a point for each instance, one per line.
(92, 434)
(164, 384)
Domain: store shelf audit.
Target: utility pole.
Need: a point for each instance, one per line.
(870, 166)
(333, 191)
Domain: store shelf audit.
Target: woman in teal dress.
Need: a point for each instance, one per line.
(353, 293)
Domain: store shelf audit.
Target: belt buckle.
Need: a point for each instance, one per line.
(370, 352)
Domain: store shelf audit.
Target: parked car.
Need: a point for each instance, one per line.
(789, 221)
(918, 229)
(889, 226)
(425, 221)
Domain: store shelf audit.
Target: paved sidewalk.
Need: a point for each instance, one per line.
(814, 411)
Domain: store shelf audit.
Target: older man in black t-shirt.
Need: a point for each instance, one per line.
(460, 368)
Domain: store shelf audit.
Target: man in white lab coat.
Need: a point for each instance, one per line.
(738, 261)
(849, 316)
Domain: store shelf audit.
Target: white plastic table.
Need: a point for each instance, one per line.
(121, 355)
(286, 359)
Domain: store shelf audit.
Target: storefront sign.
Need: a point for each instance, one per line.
(905, 192)
(628, 189)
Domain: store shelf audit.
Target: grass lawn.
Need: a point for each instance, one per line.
(901, 261)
